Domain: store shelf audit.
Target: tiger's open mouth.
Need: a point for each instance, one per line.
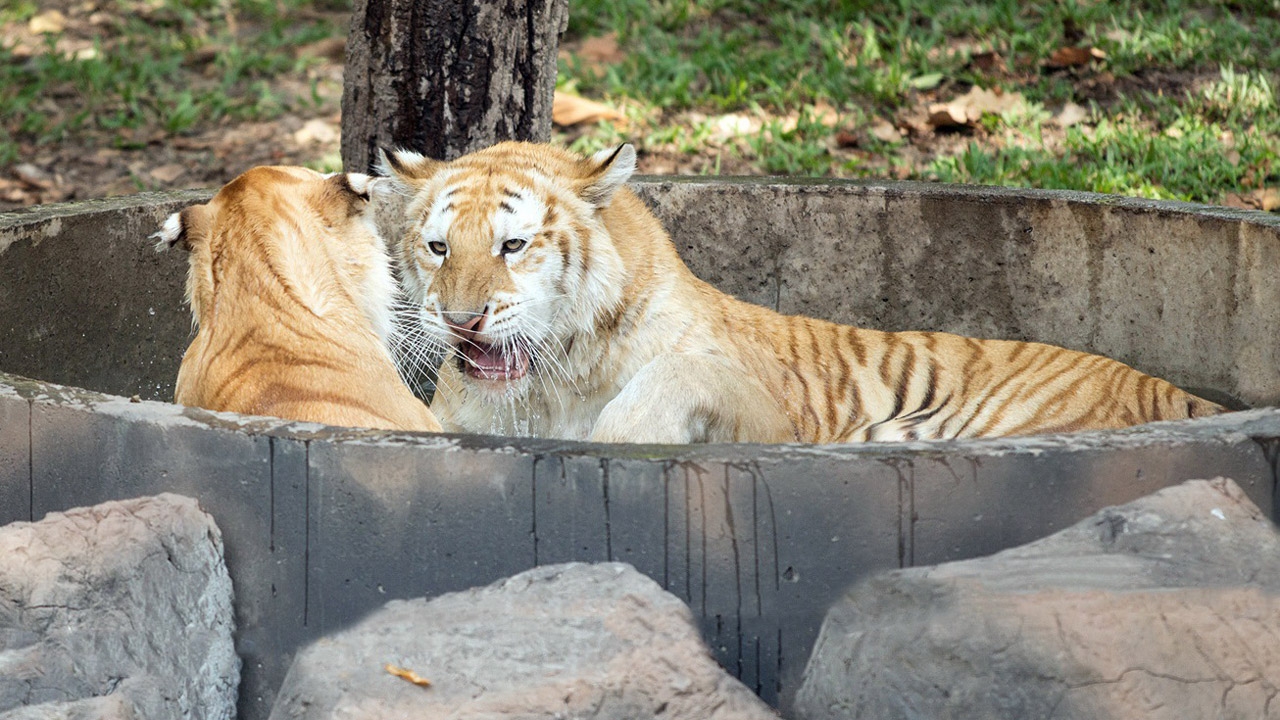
(493, 362)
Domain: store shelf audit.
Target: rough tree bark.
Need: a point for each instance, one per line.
(446, 77)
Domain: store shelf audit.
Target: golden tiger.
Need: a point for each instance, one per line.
(291, 290)
(566, 312)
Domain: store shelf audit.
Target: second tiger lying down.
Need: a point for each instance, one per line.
(568, 313)
(291, 289)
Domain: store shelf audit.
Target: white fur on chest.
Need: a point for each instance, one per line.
(547, 404)
(556, 412)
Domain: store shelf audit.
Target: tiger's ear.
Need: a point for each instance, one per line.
(407, 170)
(607, 171)
(355, 188)
(358, 184)
(183, 229)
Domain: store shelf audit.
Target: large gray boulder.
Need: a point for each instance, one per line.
(561, 641)
(122, 610)
(1167, 607)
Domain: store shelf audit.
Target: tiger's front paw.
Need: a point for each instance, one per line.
(638, 430)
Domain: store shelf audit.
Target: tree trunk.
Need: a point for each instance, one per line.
(446, 77)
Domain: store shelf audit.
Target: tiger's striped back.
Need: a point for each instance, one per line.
(848, 384)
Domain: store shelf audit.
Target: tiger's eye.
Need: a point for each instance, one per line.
(513, 245)
(438, 247)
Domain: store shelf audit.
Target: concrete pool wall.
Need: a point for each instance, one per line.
(322, 524)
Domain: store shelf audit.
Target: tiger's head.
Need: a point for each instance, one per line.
(338, 255)
(504, 254)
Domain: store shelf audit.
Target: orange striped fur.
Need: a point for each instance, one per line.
(291, 290)
(566, 312)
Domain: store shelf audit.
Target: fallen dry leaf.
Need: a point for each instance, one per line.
(602, 49)
(407, 675)
(167, 173)
(21, 51)
(49, 22)
(733, 125)
(595, 54)
(34, 177)
(825, 113)
(118, 187)
(569, 110)
(33, 186)
(189, 143)
(1236, 200)
(334, 49)
(885, 131)
(1071, 114)
(970, 107)
(916, 124)
(103, 157)
(315, 131)
(991, 101)
(1265, 199)
(17, 196)
(821, 112)
(1065, 57)
(948, 115)
(987, 61)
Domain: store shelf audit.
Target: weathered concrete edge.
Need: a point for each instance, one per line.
(41, 213)
(45, 213)
(902, 188)
(18, 224)
(1261, 424)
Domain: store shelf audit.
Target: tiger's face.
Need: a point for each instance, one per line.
(503, 254)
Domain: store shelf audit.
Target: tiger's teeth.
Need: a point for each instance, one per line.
(493, 362)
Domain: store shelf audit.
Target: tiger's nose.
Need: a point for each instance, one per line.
(465, 323)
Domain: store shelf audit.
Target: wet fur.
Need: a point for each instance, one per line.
(290, 289)
(629, 346)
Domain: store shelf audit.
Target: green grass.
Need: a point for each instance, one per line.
(146, 74)
(1216, 132)
(1190, 150)
(733, 53)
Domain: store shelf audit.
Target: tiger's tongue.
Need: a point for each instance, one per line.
(491, 362)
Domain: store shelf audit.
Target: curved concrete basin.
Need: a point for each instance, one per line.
(323, 524)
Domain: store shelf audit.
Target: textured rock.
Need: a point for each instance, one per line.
(560, 641)
(115, 706)
(1167, 607)
(120, 610)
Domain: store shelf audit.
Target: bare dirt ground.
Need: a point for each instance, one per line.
(91, 163)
